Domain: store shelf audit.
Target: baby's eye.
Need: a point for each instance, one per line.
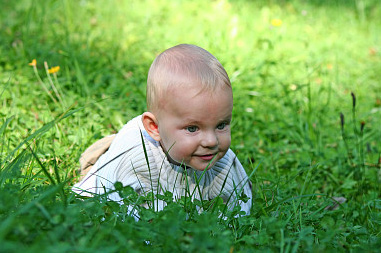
(221, 126)
(192, 129)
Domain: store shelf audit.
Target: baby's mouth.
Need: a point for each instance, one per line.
(207, 157)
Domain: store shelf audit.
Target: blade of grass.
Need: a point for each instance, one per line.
(43, 168)
(6, 86)
(149, 168)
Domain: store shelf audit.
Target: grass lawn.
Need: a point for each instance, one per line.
(306, 121)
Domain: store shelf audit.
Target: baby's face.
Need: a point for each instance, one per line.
(194, 126)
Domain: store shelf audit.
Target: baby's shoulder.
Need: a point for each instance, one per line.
(132, 137)
(228, 159)
(229, 164)
(129, 134)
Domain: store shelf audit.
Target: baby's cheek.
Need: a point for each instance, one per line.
(225, 141)
(187, 147)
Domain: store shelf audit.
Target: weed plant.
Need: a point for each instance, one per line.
(306, 124)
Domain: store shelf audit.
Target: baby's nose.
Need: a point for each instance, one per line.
(209, 140)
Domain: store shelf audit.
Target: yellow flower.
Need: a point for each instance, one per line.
(54, 69)
(33, 63)
(276, 22)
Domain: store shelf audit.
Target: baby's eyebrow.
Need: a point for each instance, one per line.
(192, 122)
(227, 118)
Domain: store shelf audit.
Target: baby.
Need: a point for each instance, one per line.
(181, 144)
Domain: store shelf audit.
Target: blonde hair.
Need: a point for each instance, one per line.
(186, 60)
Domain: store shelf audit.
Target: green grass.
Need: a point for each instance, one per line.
(291, 83)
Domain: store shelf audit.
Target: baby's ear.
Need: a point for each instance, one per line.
(151, 126)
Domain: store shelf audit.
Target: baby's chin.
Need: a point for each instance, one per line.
(202, 167)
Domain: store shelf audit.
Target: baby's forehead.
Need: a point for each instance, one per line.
(194, 87)
(193, 91)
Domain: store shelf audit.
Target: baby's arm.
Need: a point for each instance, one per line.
(92, 154)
